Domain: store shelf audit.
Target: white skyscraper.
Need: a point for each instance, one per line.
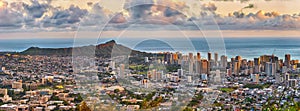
(180, 72)
(112, 64)
(218, 78)
(268, 68)
(191, 68)
(146, 59)
(189, 78)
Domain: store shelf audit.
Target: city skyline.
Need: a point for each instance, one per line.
(194, 79)
(160, 55)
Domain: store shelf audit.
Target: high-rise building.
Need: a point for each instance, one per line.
(270, 68)
(112, 64)
(168, 58)
(244, 64)
(232, 60)
(239, 60)
(216, 57)
(286, 77)
(209, 56)
(180, 72)
(218, 78)
(236, 68)
(198, 67)
(154, 74)
(191, 57)
(198, 56)
(273, 72)
(287, 60)
(175, 58)
(211, 64)
(256, 61)
(146, 59)
(170, 61)
(191, 67)
(250, 63)
(191, 63)
(223, 61)
(280, 64)
(229, 72)
(204, 66)
(189, 78)
(179, 55)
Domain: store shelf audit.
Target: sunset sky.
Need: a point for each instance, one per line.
(22, 18)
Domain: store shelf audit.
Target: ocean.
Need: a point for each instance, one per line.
(245, 47)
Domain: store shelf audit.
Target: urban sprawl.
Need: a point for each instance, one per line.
(162, 81)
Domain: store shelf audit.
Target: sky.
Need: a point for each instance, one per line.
(228, 18)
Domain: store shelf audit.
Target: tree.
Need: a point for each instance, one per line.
(84, 107)
(116, 91)
(144, 104)
(55, 98)
(78, 99)
(188, 109)
(11, 93)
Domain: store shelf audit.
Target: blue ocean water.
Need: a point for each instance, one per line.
(246, 47)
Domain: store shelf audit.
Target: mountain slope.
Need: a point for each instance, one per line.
(103, 50)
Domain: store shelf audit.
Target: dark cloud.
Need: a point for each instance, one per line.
(154, 11)
(64, 18)
(10, 19)
(36, 9)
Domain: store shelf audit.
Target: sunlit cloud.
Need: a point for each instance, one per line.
(36, 15)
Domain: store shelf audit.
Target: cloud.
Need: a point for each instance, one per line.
(209, 7)
(242, 1)
(258, 21)
(63, 18)
(119, 18)
(137, 14)
(162, 10)
(9, 19)
(36, 10)
(96, 16)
